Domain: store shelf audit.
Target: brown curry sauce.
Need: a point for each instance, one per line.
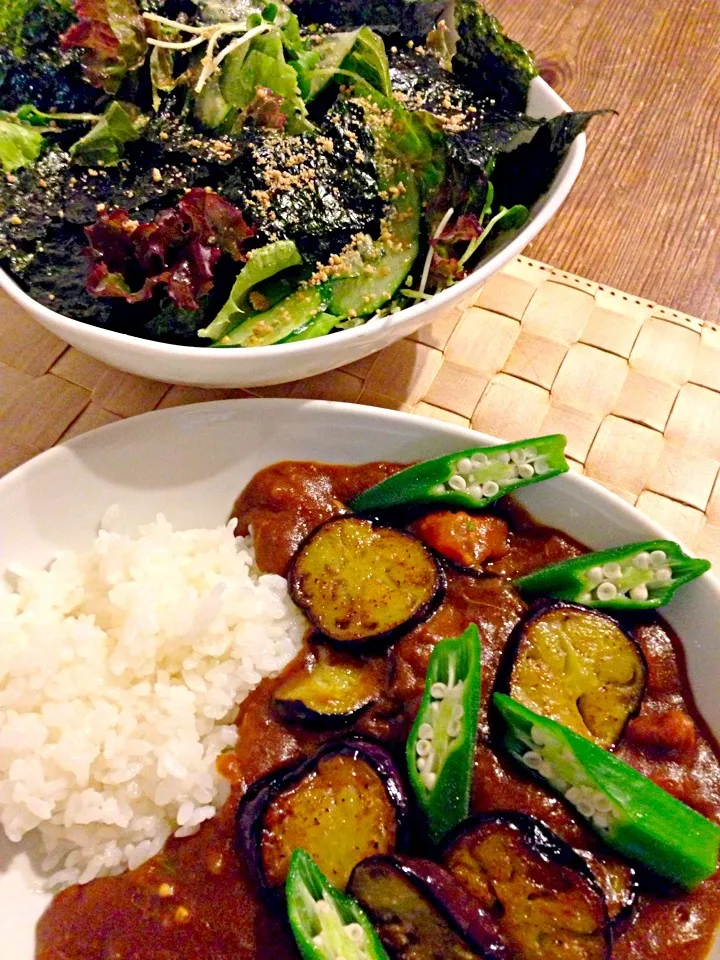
(194, 901)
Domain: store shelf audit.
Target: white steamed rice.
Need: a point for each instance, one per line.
(120, 674)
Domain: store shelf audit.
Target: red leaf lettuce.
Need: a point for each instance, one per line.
(180, 248)
(114, 37)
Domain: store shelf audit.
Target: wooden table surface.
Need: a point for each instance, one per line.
(644, 215)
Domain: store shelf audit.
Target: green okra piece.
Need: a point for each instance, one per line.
(630, 812)
(470, 478)
(327, 924)
(638, 576)
(440, 750)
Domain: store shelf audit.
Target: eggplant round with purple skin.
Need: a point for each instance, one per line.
(543, 895)
(342, 804)
(619, 882)
(329, 690)
(576, 666)
(422, 913)
(360, 583)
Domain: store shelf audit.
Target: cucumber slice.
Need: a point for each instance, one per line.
(262, 263)
(389, 259)
(319, 326)
(278, 322)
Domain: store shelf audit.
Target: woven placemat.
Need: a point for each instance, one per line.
(634, 386)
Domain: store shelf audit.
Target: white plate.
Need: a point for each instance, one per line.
(191, 462)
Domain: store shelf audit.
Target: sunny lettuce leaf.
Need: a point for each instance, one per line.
(20, 145)
(257, 69)
(103, 144)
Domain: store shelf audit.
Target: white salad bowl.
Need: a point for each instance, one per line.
(191, 462)
(259, 366)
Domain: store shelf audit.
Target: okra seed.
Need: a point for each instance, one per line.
(639, 593)
(595, 575)
(518, 456)
(602, 804)
(355, 933)
(457, 712)
(322, 908)
(584, 808)
(480, 459)
(530, 453)
(421, 764)
(606, 591)
(475, 491)
(541, 466)
(540, 736)
(601, 821)
(490, 488)
(426, 731)
(454, 728)
(663, 575)
(503, 457)
(423, 748)
(456, 482)
(526, 470)
(657, 558)
(642, 561)
(532, 759)
(546, 770)
(430, 780)
(438, 690)
(438, 490)
(613, 571)
(464, 466)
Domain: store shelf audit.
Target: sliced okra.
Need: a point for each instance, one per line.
(630, 812)
(470, 478)
(441, 747)
(637, 576)
(327, 924)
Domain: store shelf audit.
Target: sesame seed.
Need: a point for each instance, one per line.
(15, 220)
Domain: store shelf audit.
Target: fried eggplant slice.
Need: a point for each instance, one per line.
(619, 882)
(342, 804)
(543, 895)
(466, 540)
(421, 913)
(576, 666)
(330, 690)
(359, 582)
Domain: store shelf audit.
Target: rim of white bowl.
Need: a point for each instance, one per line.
(549, 204)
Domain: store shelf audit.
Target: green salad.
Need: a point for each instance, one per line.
(227, 173)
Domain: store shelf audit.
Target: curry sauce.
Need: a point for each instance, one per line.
(195, 901)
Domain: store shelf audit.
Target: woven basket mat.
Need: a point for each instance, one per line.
(634, 386)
